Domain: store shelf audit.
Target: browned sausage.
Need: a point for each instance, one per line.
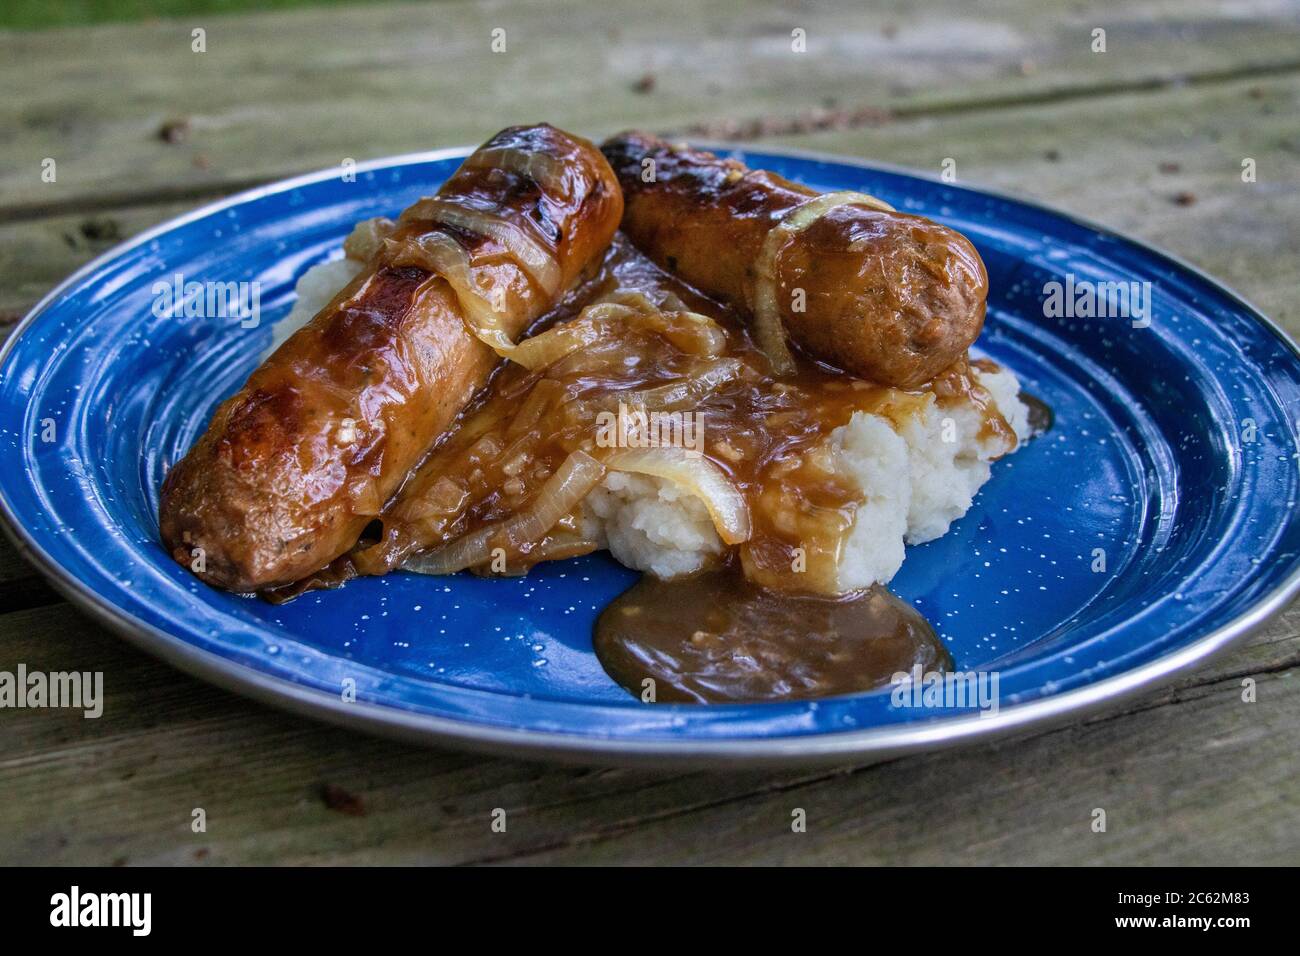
(890, 297)
(296, 464)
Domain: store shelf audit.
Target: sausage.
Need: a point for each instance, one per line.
(295, 465)
(887, 296)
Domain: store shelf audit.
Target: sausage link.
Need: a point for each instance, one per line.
(295, 465)
(890, 297)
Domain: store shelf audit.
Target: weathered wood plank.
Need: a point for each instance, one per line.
(1187, 774)
(1127, 161)
(1024, 802)
(123, 787)
(1185, 145)
(35, 256)
(278, 93)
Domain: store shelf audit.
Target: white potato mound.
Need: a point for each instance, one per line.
(877, 459)
(913, 482)
(651, 525)
(944, 464)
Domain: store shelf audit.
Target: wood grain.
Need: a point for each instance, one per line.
(1186, 774)
(280, 93)
(1011, 91)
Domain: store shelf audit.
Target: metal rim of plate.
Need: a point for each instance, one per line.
(843, 747)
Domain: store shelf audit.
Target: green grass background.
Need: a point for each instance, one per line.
(39, 14)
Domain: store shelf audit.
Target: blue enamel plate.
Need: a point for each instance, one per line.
(1151, 528)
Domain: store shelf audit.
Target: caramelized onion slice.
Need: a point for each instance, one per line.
(595, 322)
(702, 478)
(534, 258)
(561, 493)
(689, 331)
(769, 332)
(560, 547)
(697, 334)
(685, 393)
(440, 253)
(542, 168)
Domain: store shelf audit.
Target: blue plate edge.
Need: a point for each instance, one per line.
(830, 748)
(827, 747)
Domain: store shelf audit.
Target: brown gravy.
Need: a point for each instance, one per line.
(721, 635)
(758, 429)
(1041, 416)
(718, 638)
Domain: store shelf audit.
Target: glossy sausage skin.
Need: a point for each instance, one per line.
(889, 297)
(296, 464)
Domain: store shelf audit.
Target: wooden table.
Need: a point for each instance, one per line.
(1148, 137)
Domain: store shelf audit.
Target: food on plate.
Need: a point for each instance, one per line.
(655, 411)
(295, 465)
(887, 296)
(748, 642)
(692, 452)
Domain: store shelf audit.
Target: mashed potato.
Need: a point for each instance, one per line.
(915, 481)
(915, 478)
